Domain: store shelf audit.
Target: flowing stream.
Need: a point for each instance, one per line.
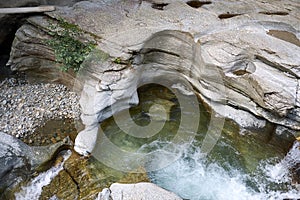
(34, 189)
(194, 177)
(251, 166)
(254, 165)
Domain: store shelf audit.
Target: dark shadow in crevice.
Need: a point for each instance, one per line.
(9, 24)
(197, 4)
(274, 13)
(159, 6)
(228, 15)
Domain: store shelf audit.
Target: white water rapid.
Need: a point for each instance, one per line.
(193, 177)
(34, 189)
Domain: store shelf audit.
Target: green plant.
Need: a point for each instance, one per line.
(68, 49)
(118, 61)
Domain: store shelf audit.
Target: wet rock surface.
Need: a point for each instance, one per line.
(18, 160)
(53, 131)
(85, 178)
(24, 107)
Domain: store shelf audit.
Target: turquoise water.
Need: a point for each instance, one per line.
(254, 165)
(238, 167)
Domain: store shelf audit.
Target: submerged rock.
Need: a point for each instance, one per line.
(84, 178)
(18, 160)
(242, 60)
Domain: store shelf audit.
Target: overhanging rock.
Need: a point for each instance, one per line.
(241, 57)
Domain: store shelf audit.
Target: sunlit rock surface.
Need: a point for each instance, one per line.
(143, 191)
(241, 57)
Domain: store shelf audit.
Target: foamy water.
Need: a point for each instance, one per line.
(34, 189)
(192, 177)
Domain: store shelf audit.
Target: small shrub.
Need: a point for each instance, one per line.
(68, 49)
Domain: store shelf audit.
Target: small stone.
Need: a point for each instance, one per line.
(25, 107)
(53, 140)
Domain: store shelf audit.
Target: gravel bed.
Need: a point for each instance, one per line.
(24, 107)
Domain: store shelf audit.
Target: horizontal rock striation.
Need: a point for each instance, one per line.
(241, 58)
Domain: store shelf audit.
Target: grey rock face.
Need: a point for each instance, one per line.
(18, 160)
(242, 57)
(138, 191)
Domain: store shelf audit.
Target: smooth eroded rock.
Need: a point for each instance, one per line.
(241, 58)
(140, 191)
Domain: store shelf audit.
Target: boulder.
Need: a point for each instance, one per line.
(138, 191)
(241, 58)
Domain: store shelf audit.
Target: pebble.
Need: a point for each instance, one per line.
(24, 106)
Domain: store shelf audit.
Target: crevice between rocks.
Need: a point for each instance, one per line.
(159, 6)
(228, 15)
(274, 13)
(275, 65)
(198, 4)
(9, 25)
(146, 51)
(75, 182)
(297, 93)
(117, 70)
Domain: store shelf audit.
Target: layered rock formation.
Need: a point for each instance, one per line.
(241, 58)
(10, 23)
